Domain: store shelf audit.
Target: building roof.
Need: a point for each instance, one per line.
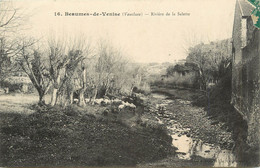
(246, 7)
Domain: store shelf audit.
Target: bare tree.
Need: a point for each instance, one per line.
(219, 58)
(137, 74)
(57, 61)
(108, 65)
(211, 59)
(35, 66)
(5, 61)
(199, 58)
(67, 86)
(79, 55)
(11, 22)
(12, 19)
(66, 61)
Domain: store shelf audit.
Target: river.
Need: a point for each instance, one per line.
(187, 146)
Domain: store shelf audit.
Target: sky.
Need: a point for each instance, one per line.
(144, 38)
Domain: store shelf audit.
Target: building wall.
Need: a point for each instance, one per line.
(251, 87)
(237, 58)
(246, 73)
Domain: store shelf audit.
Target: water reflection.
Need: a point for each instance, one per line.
(188, 147)
(225, 158)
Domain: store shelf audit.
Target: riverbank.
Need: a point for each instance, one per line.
(209, 120)
(170, 132)
(178, 93)
(198, 142)
(201, 126)
(217, 121)
(77, 136)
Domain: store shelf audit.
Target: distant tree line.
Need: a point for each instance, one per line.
(205, 64)
(181, 69)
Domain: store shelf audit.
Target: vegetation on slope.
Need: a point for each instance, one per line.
(75, 137)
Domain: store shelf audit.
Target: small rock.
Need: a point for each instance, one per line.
(105, 113)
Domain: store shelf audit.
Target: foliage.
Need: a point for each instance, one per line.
(205, 64)
(177, 81)
(211, 59)
(181, 69)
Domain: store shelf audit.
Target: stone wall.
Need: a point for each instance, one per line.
(236, 56)
(251, 87)
(246, 73)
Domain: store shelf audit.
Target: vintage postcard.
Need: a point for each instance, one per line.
(129, 83)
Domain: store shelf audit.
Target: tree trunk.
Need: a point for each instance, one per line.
(106, 91)
(139, 81)
(107, 87)
(82, 91)
(55, 91)
(81, 98)
(203, 83)
(71, 96)
(54, 97)
(41, 97)
(6, 90)
(131, 90)
(95, 95)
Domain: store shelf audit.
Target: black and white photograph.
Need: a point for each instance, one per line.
(130, 83)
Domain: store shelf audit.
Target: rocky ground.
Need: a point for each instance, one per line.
(178, 107)
(211, 118)
(201, 126)
(185, 120)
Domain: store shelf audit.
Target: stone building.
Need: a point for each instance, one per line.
(246, 70)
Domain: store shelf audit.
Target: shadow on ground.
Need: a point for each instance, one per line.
(75, 137)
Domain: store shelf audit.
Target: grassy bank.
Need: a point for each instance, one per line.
(78, 137)
(218, 107)
(217, 104)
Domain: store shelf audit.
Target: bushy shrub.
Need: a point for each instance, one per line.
(188, 81)
(143, 89)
